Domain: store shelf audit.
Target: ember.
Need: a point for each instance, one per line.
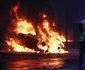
(47, 38)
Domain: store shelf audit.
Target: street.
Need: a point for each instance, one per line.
(41, 61)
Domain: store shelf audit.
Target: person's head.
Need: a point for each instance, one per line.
(82, 25)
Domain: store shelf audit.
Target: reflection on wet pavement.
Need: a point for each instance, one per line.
(34, 63)
(38, 61)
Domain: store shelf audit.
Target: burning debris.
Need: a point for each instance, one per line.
(22, 36)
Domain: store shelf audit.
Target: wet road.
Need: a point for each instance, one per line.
(40, 62)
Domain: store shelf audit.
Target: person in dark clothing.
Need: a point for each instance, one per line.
(81, 27)
(82, 45)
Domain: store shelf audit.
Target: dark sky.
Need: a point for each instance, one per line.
(72, 6)
(30, 4)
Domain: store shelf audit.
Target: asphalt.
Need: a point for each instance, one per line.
(32, 61)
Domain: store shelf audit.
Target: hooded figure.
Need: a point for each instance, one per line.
(82, 42)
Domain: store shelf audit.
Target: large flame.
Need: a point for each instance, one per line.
(25, 27)
(17, 47)
(48, 37)
(53, 41)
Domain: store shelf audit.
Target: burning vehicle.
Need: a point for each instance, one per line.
(23, 35)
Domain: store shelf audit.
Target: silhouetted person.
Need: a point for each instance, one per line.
(82, 44)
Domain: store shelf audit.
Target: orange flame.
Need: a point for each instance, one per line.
(25, 27)
(48, 38)
(14, 10)
(44, 15)
(17, 47)
(54, 42)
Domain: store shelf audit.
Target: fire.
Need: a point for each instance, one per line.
(47, 36)
(53, 41)
(14, 9)
(25, 27)
(44, 15)
(17, 47)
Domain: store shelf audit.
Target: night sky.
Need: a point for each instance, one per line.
(32, 5)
